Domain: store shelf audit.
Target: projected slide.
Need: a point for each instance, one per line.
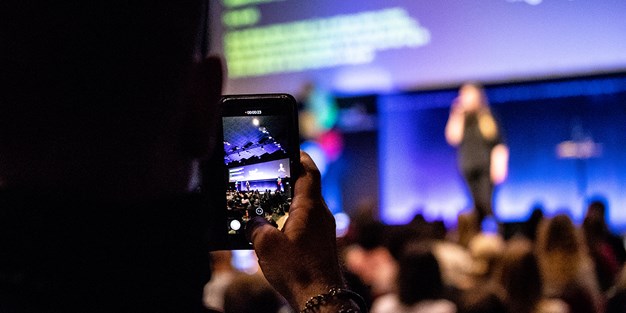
(261, 171)
(382, 45)
(319, 43)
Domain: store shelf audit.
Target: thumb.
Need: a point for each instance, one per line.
(263, 235)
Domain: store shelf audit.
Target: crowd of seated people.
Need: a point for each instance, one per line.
(233, 290)
(549, 265)
(421, 267)
(275, 204)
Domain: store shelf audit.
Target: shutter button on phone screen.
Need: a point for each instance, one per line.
(235, 225)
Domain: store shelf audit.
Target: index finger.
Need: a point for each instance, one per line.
(308, 185)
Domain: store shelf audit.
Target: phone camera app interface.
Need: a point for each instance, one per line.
(259, 175)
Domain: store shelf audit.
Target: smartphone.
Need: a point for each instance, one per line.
(260, 162)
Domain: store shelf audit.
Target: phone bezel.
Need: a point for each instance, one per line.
(233, 105)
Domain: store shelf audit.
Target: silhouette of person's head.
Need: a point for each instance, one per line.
(104, 100)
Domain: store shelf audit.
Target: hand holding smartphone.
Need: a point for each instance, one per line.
(259, 165)
(260, 162)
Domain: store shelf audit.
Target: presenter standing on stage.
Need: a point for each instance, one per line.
(482, 155)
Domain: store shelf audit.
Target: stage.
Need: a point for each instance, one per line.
(567, 141)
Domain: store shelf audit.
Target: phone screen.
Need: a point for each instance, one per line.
(261, 153)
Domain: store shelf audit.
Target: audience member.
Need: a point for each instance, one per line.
(617, 295)
(222, 274)
(483, 301)
(518, 275)
(468, 227)
(486, 250)
(456, 264)
(104, 111)
(602, 254)
(363, 213)
(598, 208)
(371, 260)
(529, 228)
(602, 245)
(252, 294)
(484, 295)
(566, 268)
(419, 285)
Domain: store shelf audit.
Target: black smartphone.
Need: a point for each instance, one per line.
(260, 162)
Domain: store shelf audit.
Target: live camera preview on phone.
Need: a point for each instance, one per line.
(256, 155)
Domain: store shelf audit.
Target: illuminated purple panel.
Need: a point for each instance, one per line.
(418, 168)
(467, 40)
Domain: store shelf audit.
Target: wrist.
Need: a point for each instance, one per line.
(306, 294)
(336, 306)
(323, 282)
(336, 299)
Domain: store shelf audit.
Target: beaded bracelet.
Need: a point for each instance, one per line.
(323, 298)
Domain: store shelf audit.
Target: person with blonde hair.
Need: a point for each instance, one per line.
(482, 154)
(566, 268)
(518, 275)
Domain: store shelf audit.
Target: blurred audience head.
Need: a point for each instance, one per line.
(532, 224)
(104, 99)
(419, 275)
(594, 224)
(468, 227)
(222, 260)
(566, 267)
(486, 250)
(559, 235)
(251, 294)
(518, 273)
(597, 207)
(371, 260)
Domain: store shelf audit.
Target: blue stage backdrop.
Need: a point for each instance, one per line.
(418, 172)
